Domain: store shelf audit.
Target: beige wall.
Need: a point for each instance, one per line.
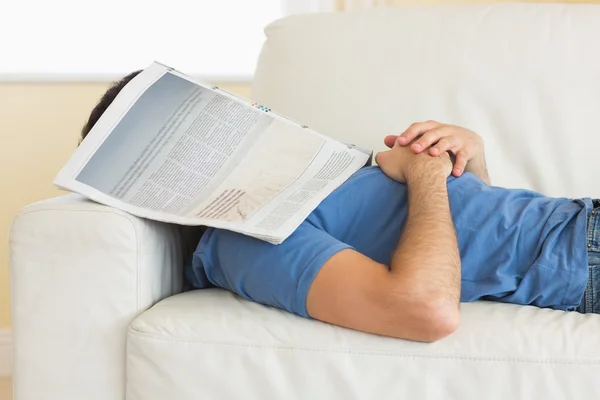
(39, 128)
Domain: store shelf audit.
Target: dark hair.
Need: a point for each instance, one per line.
(105, 101)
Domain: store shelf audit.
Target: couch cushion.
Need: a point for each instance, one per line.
(524, 76)
(214, 345)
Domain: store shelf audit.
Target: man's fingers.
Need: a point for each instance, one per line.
(460, 164)
(429, 138)
(390, 140)
(444, 144)
(415, 130)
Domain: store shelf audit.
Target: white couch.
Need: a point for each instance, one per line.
(96, 294)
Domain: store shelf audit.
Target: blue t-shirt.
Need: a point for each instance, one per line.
(516, 246)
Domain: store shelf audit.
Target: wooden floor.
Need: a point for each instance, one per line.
(5, 389)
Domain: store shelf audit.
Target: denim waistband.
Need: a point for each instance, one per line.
(591, 298)
(593, 228)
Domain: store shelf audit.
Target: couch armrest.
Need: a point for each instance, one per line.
(80, 273)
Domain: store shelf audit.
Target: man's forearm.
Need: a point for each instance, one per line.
(427, 259)
(477, 166)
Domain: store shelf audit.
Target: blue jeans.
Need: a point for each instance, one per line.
(591, 299)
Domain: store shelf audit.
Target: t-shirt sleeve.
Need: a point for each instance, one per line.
(275, 275)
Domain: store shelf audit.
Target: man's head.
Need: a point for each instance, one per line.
(105, 101)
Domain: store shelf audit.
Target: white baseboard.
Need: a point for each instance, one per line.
(6, 356)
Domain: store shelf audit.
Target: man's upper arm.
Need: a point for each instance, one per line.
(351, 290)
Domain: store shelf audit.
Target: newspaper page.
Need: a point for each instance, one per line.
(173, 149)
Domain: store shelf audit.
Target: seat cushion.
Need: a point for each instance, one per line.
(215, 345)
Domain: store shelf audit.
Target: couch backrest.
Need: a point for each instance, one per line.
(526, 77)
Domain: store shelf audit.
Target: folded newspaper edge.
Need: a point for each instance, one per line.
(174, 149)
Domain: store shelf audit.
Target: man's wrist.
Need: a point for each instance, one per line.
(424, 173)
(432, 169)
(478, 159)
(477, 166)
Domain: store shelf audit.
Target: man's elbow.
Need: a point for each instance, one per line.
(427, 320)
(440, 319)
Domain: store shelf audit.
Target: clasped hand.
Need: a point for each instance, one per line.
(425, 147)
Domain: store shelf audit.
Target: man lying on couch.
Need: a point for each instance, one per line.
(396, 248)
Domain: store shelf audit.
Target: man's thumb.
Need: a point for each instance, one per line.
(381, 157)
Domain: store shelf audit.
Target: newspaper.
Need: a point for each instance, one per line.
(173, 149)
